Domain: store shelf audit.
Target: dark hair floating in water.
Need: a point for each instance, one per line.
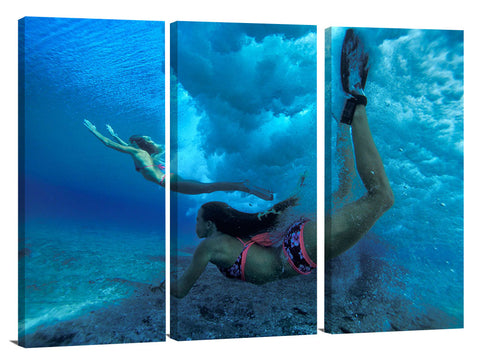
(239, 224)
(142, 144)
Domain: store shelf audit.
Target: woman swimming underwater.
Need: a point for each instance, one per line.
(148, 158)
(241, 245)
(236, 242)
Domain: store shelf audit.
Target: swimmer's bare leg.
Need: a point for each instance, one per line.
(191, 187)
(347, 169)
(348, 225)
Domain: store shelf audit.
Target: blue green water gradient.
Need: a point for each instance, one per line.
(92, 228)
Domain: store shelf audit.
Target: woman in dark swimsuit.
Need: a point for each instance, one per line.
(148, 158)
(234, 242)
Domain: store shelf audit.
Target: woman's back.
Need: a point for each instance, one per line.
(260, 264)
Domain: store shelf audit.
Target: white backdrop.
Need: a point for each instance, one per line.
(439, 344)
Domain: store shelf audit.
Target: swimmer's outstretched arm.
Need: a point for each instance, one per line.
(107, 142)
(347, 226)
(115, 135)
(181, 287)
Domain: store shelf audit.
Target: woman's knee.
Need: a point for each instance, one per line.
(384, 198)
(389, 199)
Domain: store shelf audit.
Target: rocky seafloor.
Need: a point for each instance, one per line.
(217, 307)
(139, 318)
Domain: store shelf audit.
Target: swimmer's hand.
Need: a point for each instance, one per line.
(160, 287)
(89, 125)
(110, 130)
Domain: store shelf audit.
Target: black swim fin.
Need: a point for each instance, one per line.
(353, 71)
(353, 63)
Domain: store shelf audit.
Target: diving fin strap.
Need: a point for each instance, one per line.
(349, 107)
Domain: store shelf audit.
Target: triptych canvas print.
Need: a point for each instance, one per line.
(242, 176)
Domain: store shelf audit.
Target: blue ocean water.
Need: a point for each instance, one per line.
(407, 273)
(93, 228)
(245, 110)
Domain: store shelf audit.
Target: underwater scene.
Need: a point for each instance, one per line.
(243, 145)
(91, 227)
(406, 273)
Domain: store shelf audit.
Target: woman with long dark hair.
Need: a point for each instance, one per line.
(243, 245)
(149, 159)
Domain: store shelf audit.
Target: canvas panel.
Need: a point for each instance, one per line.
(406, 271)
(243, 122)
(91, 228)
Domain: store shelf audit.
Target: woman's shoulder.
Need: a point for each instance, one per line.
(220, 248)
(217, 239)
(218, 243)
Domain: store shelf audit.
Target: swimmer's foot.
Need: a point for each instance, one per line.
(258, 191)
(353, 71)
